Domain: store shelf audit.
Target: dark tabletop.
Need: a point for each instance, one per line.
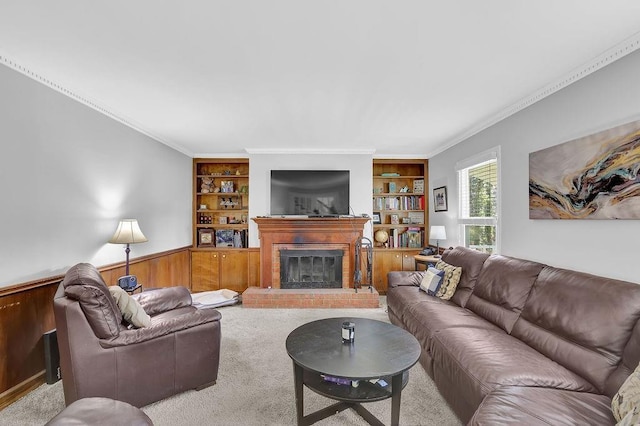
(379, 349)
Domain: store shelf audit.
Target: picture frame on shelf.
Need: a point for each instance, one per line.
(226, 186)
(440, 199)
(224, 238)
(416, 217)
(376, 219)
(418, 186)
(205, 237)
(395, 219)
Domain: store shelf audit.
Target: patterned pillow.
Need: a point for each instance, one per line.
(431, 281)
(625, 404)
(450, 281)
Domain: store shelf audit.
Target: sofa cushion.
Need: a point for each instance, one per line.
(476, 361)
(84, 283)
(577, 320)
(131, 310)
(471, 262)
(399, 298)
(404, 278)
(431, 314)
(531, 406)
(625, 404)
(431, 281)
(450, 279)
(502, 289)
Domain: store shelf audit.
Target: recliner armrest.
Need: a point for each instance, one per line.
(163, 299)
(404, 278)
(182, 322)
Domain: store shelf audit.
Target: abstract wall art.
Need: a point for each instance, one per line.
(594, 177)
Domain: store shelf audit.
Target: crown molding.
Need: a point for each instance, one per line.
(401, 156)
(88, 102)
(620, 50)
(310, 151)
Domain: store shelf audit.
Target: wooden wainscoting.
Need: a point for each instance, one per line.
(26, 313)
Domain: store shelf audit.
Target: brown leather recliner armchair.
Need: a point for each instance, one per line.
(101, 356)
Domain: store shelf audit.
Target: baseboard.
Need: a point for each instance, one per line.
(13, 394)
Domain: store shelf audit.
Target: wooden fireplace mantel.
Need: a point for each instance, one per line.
(276, 232)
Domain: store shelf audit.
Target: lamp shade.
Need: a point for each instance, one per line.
(437, 233)
(128, 232)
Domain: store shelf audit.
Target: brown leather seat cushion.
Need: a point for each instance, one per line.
(483, 360)
(100, 411)
(515, 405)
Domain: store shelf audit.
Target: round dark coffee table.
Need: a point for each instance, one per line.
(380, 351)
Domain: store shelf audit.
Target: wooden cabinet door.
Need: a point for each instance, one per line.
(408, 261)
(205, 271)
(234, 270)
(383, 262)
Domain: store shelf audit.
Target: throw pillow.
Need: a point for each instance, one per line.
(131, 310)
(450, 280)
(431, 281)
(625, 404)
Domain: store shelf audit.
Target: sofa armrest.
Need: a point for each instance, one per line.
(182, 322)
(404, 278)
(163, 299)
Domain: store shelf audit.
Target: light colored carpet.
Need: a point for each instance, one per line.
(255, 381)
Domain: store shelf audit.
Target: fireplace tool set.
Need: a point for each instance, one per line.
(363, 243)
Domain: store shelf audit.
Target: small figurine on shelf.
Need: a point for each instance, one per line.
(228, 203)
(207, 185)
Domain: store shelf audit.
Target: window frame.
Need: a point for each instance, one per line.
(463, 166)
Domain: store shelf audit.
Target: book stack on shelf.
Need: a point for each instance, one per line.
(411, 238)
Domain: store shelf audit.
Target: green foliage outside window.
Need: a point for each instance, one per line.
(483, 181)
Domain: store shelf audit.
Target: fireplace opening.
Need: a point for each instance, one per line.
(310, 269)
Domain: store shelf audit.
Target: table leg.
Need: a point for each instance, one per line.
(396, 391)
(299, 392)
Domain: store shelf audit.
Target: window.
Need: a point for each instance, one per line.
(478, 189)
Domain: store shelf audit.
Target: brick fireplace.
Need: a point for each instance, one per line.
(315, 237)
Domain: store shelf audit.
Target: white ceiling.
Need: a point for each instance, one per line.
(397, 77)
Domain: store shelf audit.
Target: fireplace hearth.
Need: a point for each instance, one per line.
(301, 269)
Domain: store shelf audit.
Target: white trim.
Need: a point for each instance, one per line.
(618, 51)
(309, 151)
(481, 157)
(90, 103)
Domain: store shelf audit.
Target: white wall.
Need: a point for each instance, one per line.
(260, 166)
(69, 173)
(605, 99)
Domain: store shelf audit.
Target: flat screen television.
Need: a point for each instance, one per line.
(310, 192)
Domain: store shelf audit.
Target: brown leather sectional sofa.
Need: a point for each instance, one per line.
(521, 342)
